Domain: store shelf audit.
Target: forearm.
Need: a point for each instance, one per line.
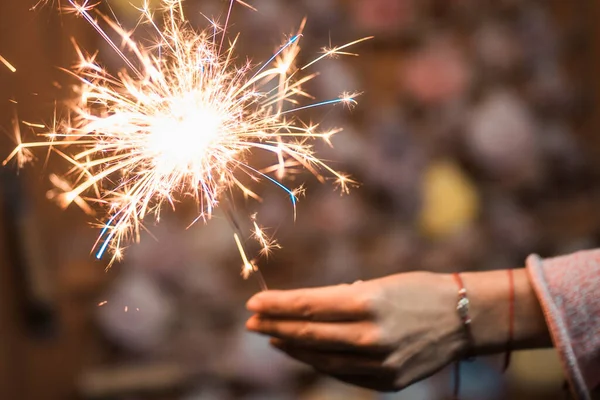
(488, 293)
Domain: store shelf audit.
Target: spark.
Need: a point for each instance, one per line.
(7, 64)
(40, 3)
(246, 5)
(337, 51)
(179, 121)
(62, 186)
(267, 243)
(24, 155)
(33, 125)
(102, 303)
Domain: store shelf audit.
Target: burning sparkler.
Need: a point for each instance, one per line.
(179, 121)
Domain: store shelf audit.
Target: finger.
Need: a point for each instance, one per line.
(342, 302)
(347, 335)
(336, 363)
(373, 351)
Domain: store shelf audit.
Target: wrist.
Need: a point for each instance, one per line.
(489, 311)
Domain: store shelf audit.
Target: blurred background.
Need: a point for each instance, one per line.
(475, 144)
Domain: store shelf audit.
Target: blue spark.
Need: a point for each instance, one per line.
(104, 246)
(289, 43)
(323, 103)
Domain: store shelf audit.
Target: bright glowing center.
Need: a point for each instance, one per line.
(182, 140)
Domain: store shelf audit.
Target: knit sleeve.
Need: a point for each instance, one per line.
(568, 288)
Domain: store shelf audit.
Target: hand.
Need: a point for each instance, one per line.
(383, 334)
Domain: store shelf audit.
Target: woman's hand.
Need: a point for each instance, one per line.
(382, 334)
(387, 333)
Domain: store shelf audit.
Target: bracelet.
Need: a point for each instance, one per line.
(462, 307)
(463, 301)
(511, 319)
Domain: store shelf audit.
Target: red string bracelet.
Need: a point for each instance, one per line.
(511, 318)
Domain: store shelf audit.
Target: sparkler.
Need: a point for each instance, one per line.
(179, 121)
